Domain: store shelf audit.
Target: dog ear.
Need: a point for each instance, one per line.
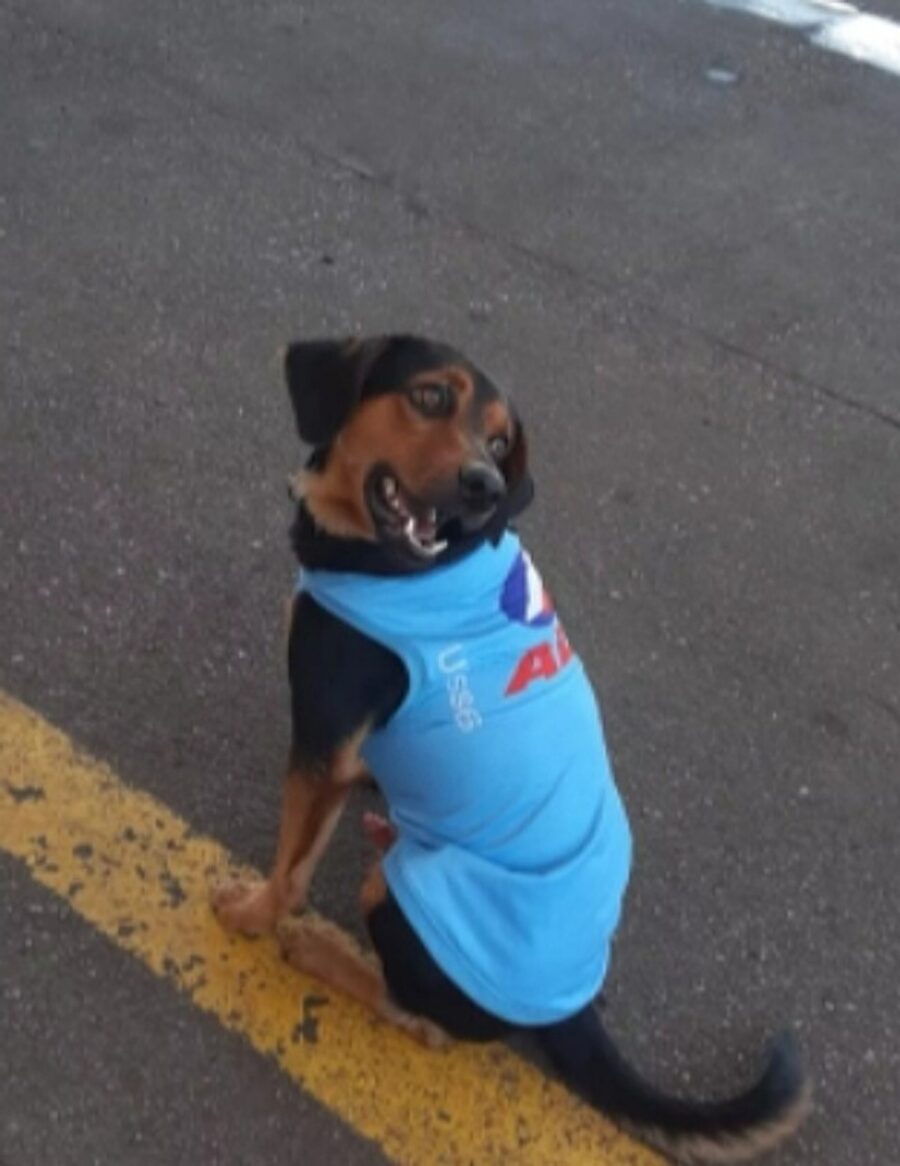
(325, 380)
(519, 483)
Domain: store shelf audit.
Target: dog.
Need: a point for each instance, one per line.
(425, 651)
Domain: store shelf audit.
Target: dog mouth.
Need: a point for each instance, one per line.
(399, 517)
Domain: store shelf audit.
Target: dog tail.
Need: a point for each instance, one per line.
(733, 1130)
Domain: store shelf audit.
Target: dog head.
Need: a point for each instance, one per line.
(414, 448)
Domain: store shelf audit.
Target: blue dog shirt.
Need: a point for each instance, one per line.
(513, 848)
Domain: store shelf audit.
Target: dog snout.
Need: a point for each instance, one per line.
(481, 486)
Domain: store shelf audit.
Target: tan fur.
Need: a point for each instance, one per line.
(425, 453)
(496, 420)
(311, 808)
(699, 1149)
(373, 890)
(336, 500)
(322, 950)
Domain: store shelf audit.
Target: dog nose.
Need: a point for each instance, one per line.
(481, 486)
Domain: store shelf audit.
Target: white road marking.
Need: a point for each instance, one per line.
(833, 25)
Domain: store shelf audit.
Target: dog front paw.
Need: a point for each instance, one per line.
(245, 907)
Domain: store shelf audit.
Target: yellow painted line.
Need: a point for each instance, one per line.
(137, 873)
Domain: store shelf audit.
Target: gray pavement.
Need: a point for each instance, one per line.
(692, 288)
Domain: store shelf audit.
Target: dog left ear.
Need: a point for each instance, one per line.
(325, 380)
(519, 483)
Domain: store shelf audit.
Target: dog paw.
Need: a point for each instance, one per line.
(244, 907)
(431, 1035)
(424, 1032)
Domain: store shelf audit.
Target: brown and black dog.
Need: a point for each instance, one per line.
(419, 463)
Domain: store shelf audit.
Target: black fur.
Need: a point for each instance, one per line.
(342, 680)
(419, 985)
(325, 380)
(588, 1061)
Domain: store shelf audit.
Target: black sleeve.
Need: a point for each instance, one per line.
(340, 679)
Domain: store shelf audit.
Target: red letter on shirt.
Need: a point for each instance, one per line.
(563, 647)
(536, 663)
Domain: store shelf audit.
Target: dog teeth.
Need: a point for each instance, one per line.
(430, 549)
(425, 546)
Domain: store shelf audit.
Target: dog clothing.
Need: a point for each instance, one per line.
(513, 848)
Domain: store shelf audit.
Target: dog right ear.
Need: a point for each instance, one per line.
(325, 380)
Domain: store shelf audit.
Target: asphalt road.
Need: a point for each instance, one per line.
(692, 288)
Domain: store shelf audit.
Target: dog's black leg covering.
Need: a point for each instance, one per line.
(733, 1130)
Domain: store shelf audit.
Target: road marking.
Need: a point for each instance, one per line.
(833, 25)
(139, 874)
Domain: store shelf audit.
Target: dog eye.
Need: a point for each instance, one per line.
(498, 447)
(433, 400)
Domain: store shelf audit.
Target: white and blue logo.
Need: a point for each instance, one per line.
(524, 598)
